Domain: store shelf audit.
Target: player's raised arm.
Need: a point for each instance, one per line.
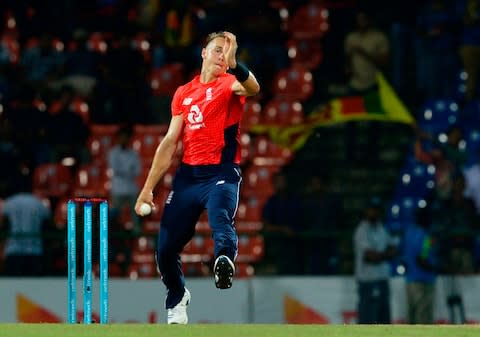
(161, 162)
(246, 83)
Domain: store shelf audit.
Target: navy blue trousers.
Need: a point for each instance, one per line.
(195, 188)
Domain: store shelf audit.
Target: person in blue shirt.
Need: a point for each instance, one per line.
(422, 266)
(24, 219)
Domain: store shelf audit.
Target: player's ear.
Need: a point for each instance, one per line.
(204, 53)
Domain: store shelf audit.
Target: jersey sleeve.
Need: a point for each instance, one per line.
(176, 105)
(235, 102)
(229, 92)
(227, 85)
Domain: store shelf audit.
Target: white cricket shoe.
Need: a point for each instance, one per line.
(224, 269)
(178, 314)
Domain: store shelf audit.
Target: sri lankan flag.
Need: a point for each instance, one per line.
(381, 104)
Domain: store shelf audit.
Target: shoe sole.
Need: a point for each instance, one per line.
(224, 274)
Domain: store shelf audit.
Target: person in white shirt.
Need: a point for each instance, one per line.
(373, 247)
(24, 217)
(126, 166)
(367, 51)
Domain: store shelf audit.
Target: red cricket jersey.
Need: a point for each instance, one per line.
(211, 115)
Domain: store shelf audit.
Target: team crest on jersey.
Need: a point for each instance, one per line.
(187, 101)
(195, 118)
(208, 94)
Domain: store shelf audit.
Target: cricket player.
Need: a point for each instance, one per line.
(206, 115)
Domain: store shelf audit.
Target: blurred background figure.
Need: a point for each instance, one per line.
(322, 212)
(445, 154)
(455, 222)
(374, 247)
(282, 225)
(469, 13)
(67, 131)
(28, 126)
(25, 219)
(81, 66)
(121, 91)
(436, 49)
(368, 52)
(41, 62)
(126, 166)
(422, 267)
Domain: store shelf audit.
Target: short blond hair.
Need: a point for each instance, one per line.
(213, 36)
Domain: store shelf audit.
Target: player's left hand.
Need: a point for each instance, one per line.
(230, 49)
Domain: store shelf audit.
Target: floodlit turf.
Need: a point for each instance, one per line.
(237, 330)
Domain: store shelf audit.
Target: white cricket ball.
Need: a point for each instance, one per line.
(145, 209)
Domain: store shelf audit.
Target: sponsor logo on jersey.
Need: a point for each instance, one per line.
(208, 94)
(195, 118)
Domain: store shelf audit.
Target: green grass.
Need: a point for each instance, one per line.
(236, 330)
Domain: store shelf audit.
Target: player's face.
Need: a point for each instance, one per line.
(213, 56)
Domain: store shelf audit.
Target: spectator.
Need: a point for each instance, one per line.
(436, 45)
(323, 217)
(469, 11)
(122, 92)
(148, 11)
(126, 167)
(367, 51)
(80, 70)
(454, 222)
(281, 226)
(28, 126)
(267, 50)
(42, 63)
(25, 218)
(373, 247)
(445, 154)
(67, 131)
(159, 50)
(180, 34)
(422, 266)
(179, 25)
(5, 54)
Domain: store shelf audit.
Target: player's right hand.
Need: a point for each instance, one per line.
(144, 197)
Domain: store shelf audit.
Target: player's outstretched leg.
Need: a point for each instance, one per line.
(178, 314)
(224, 269)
